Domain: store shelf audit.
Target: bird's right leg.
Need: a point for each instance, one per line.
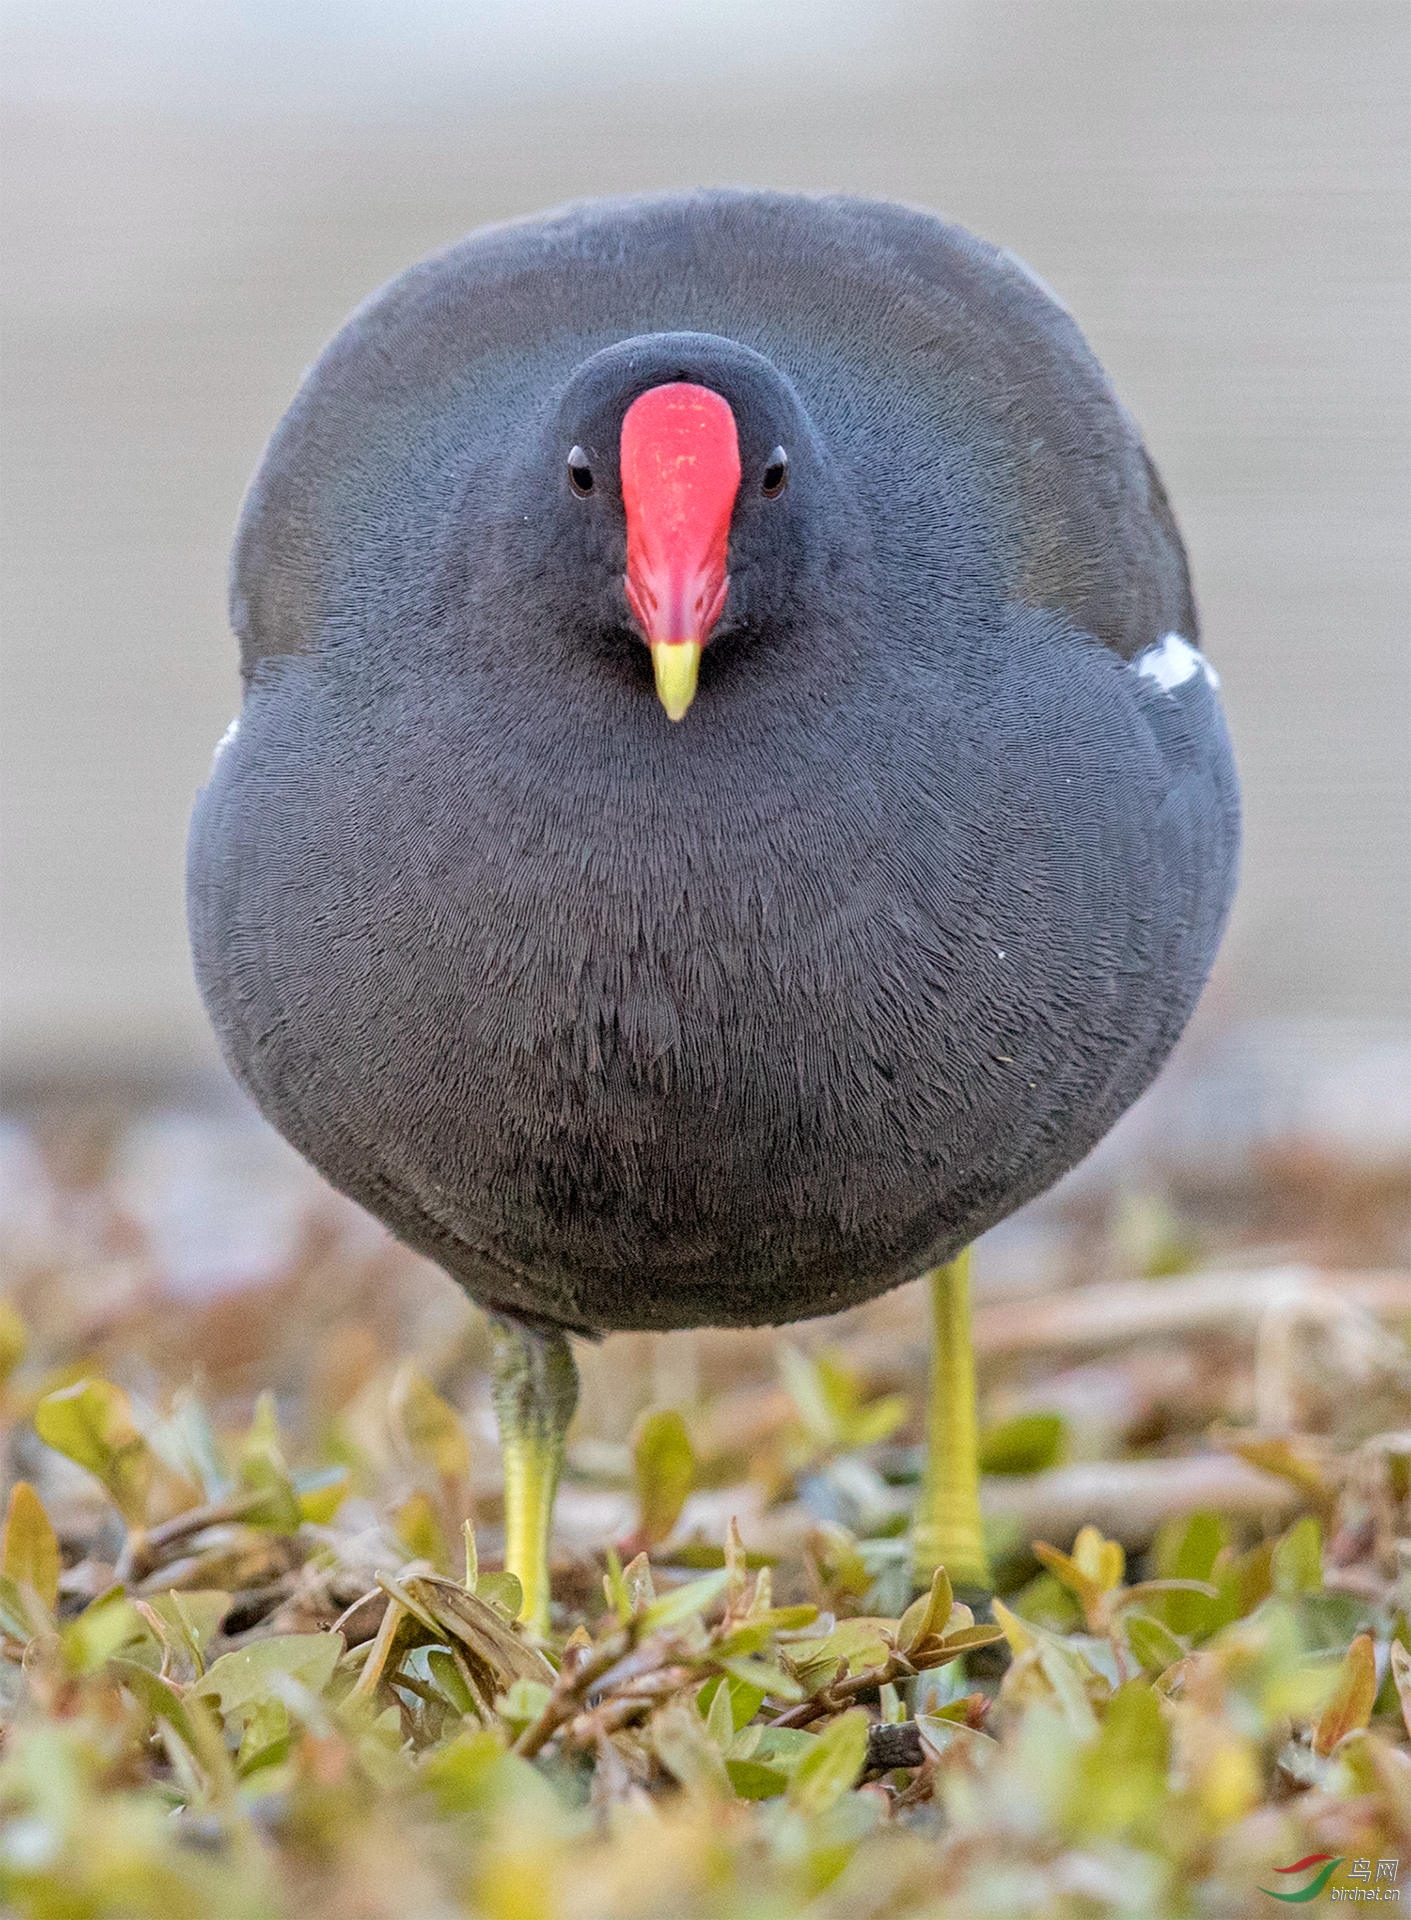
(946, 1531)
(536, 1391)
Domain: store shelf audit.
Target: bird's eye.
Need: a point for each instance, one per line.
(580, 474)
(776, 475)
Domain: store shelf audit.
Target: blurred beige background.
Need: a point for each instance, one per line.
(195, 196)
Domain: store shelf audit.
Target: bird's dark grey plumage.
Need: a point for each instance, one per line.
(630, 1024)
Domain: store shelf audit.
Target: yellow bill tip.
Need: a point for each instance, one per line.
(676, 664)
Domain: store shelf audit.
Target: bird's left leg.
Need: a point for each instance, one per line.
(536, 1391)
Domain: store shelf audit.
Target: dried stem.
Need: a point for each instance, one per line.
(843, 1693)
(576, 1680)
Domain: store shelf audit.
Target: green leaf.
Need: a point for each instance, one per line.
(1188, 1550)
(442, 1666)
(523, 1702)
(29, 1552)
(320, 1492)
(615, 1588)
(745, 1639)
(1030, 1443)
(762, 1678)
(663, 1470)
(1185, 1549)
(418, 1528)
(843, 1572)
(1022, 1637)
(1282, 1457)
(752, 1780)
(686, 1750)
(1092, 1571)
(707, 1692)
(861, 1642)
(686, 1603)
(244, 1678)
(186, 1442)
(878, 1420)
(832, 1766)
(637, 1577)
(805, 1382)
(493, 1649)
(13, 1339)
(929, 1614)
(263, 1471)
(1153, 1644)
(757, 1631)
(91, 1423)
(21, 1617)
(158, 1696)
(429, 1427)
(264, 1436)
(788, 1619)
(781, 1747)
(1047, 1603)
(1298, 1559)
(266, 1734)
(719, 1720)
(941, 1731)
(191, 1619)
(936, 1653)
(829, 1399)
(1068, 1674)
(1102, 1560)
(501, 1590)
(278, 1510)
(1150, 1237)
(858, 1644)
(857, 1422)
(747, 1694)
(1354, 1695)
(461, 1773)
(735, 1559)
(1147, 1590)
(1244, 1580)
(108, 1623)
(699, 1555)
(1401, 1679)
(1121, 1778)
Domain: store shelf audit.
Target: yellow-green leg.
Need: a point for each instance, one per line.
(536, 1390)
(947, 1531)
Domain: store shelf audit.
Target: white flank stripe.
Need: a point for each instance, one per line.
(1173, 661)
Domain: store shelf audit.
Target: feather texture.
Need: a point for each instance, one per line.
(634, 1025)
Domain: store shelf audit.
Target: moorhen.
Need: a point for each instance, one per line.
(727, 801)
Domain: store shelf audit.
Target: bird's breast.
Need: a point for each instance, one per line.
(727, 1049)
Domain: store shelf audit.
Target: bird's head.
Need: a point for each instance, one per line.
(676, 476)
